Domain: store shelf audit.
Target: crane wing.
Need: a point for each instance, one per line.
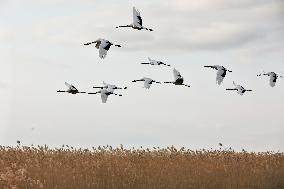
(105, 44)
(219, 79)
(176, 74)
(220, 76)
(68, 85)
(104, 96)
(102, 52)
(241, 90)
(147, 83)
(111, 88)
(221, 72)
(272, 80)
(137, 20)
(71, 87)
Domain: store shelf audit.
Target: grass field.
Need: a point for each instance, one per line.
(119, 168)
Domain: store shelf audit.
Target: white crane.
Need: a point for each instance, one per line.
(178, 79)
(147, 82)
(103, 45)
(109, 87)
(137, 21)
(273, 77)
(71, 89)
(240, 89)
(221, 72)
(104, 94)
(155, 62)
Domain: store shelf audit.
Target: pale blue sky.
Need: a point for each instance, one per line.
(41, 45)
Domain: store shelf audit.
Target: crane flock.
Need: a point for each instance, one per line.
(108, 89)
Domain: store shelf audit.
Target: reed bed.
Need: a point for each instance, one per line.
(24, 167)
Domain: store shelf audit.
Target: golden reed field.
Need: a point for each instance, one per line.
(25, 167)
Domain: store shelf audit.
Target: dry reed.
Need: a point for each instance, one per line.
(105, 167)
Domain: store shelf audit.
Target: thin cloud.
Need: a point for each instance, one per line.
(179, 26)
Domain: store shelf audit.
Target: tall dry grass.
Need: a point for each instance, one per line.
(24, 167)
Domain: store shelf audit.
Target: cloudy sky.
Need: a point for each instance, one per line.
(41, 48)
